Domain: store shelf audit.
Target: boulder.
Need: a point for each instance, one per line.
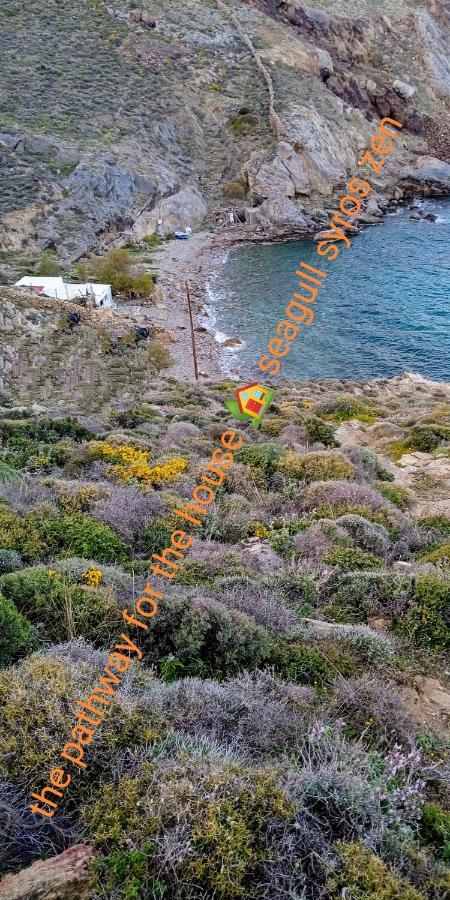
(285, 176)
(271, 178)
(405, 90)
(185, 207)
(430, 173)
(259, 556)
(292, 162)
(366, 219)
(63, 877)
(279, 212)
(325, 156)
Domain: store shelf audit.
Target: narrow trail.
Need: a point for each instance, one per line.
(274, 118)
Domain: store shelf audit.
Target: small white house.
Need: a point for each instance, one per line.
(60, 290)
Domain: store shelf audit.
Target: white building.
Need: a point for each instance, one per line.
(60, 290)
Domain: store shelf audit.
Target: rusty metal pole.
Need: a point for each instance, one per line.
(194, 349)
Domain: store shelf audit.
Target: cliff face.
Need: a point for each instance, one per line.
(113, 117)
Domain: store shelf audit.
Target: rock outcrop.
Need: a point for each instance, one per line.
(63, 877)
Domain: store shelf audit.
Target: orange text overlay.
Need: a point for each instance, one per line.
(90, 712)
(298, 311)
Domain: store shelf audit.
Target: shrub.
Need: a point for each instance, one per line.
(435, 828)
(395, 493)
(260, 456)
(351, 559)
(207, 639)
(159, 356)
(116, 269)
(427, 438)
(367, 877)
(16, 634)
(427, 621)
(440, 523)
(79, 535)
(316, 466)
(346, 408)
(128, 510)
(130, 464)
(298, 589)
(10, 561)
(21, 534)
(243, 123)
(345, 496)
(234, 190)
(220, 821)
(60, 609)
(318, 431)
(356, 595)
(367, 535)
(440, 556)
(367, 464)
(48, 266)
(370, 706)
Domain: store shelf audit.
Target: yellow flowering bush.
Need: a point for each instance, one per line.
(130, 464)
(92, 577)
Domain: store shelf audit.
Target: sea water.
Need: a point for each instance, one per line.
(383, 309)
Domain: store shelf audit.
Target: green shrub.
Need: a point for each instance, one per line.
(17, 637)
(427, 621)
(319, 431)
(159, 356)
(435, 828)
(260, 456)
(10, 561)
(364, 876)
(21, 534)
(220, 814)
(79, 535)
(351, 559)
(281, 540)
(347, 408)
(397, 494)
(427, 438)
(62, 610)
(441, 523)
(46, 431)
(243, 123)
(116, 269)
(48, 266)
(302, 664)
(354, 596)
(234, 190)
(440, 556)
(207, 640)
(316, 466)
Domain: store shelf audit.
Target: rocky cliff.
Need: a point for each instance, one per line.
(114, 117)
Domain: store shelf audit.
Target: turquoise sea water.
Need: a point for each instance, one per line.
(384, 307)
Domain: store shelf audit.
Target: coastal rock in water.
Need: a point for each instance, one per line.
(63, 877)
(431, 174)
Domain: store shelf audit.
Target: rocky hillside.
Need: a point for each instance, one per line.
(115, 116)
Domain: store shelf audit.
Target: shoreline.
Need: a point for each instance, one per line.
(196, 259)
